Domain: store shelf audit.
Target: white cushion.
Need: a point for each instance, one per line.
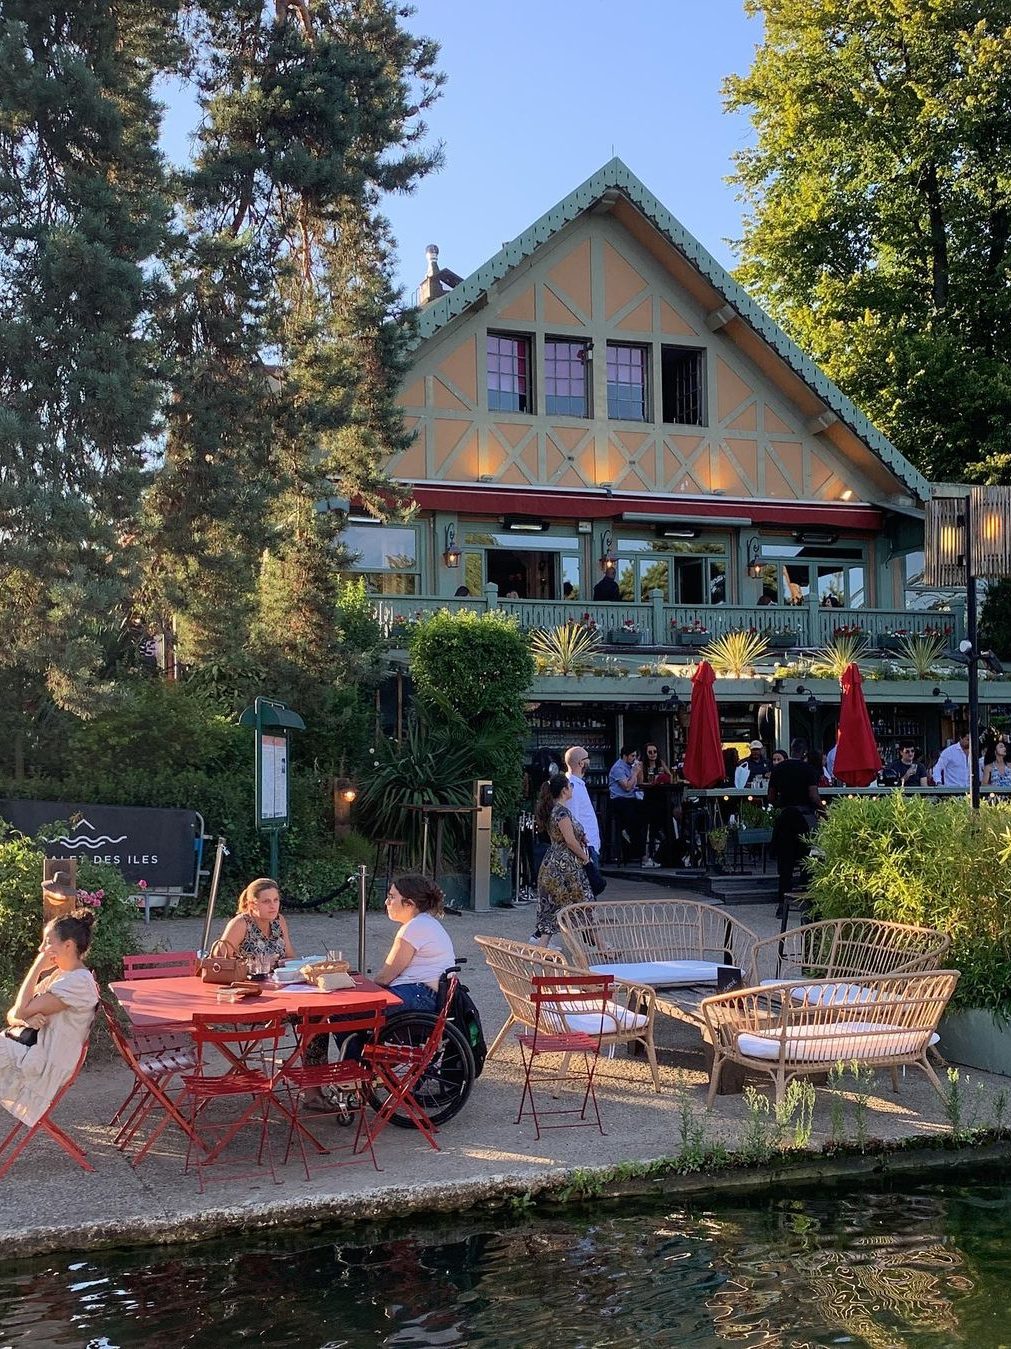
(662, 973)
(830, 1044)
(615, 1019)
(838, 994)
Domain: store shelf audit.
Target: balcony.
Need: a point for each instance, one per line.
(687, 627)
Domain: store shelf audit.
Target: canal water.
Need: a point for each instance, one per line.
(925, 1266)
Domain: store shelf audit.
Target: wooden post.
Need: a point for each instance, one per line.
(59, 887)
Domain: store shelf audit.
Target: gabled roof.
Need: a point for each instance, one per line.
(616, 176)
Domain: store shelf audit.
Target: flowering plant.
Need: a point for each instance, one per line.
(588, 622)
(847, 630)
(697, 626)
(91, 899)
(629, 625)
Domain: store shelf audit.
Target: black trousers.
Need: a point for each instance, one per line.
(789, 845)
(627, 812)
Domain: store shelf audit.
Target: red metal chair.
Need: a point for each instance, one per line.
(398, 1069)
(153, 1072)
(250, 1053)
(349, 1076)
(160, 965)
(570, 1018)
(46, 1125)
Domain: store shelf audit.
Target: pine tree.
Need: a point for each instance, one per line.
(314, 112)
(880, 226)
(84, 217)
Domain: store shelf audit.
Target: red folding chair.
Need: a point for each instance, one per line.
(167, 1045)
(399, 1068)
(349, 1076)
(153, 1072)
(46, 1125)
(250, 1053)
(160, 965)
(571, 1014)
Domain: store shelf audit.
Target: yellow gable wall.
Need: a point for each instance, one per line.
(594, 280)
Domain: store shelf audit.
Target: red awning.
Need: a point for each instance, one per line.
(595, 506)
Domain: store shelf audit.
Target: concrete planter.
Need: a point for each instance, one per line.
(977, 1039)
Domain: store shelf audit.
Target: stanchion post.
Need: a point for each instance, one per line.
(221, 852)
(362, 903)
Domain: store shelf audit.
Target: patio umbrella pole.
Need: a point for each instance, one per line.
(220, 853)
(362, 903)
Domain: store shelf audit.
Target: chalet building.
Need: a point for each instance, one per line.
(602, 402)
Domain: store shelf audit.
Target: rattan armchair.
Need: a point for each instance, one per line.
(848, 948)
(514, 964)
(787, 1031)
(656, 936)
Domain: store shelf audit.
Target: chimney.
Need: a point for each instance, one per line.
(431, 288)
(438, 280)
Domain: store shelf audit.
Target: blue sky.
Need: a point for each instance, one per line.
(541, 93)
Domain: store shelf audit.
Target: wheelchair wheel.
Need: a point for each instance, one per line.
(444, 1089)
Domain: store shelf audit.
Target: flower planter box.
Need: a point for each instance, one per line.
(622, 637)
(693, 638)
(782, 641)
(890, 643)
(751, 838)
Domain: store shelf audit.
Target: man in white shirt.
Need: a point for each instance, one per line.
(576, 760)
(952, 767)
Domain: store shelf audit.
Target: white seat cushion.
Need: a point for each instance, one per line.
(830, 1044)
(662, 973)
(838, 994)
(615, 1019)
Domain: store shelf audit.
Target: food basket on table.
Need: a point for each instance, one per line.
(328, 975)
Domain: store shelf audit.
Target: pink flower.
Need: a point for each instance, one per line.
(142, 885)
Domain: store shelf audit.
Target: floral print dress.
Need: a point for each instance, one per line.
(256, 942)
(561, 879)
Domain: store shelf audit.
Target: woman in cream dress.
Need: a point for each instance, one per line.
(57, 999)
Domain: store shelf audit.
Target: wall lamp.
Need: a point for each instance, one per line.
(826, 537)
(673, 702)
(755, 560)
(948, 706)
(812, 701)
(451, 556)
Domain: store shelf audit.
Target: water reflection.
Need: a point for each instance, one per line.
(886, 1271)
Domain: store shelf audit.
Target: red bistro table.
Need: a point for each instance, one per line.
(149, 1001)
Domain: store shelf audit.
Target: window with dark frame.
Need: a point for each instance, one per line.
(566, 389)
(508, 373)
(682, 385)
(627, 383)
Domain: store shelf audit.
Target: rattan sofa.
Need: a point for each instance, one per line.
(662, 943)
(849, 949)
(788, 1031)
(632, 1008)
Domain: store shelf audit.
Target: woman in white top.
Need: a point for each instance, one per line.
(422, 948)
(56, 1001)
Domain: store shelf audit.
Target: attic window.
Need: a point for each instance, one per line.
(682, 385)
(508, 370)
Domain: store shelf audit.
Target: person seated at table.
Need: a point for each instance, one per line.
(422, 949)
(54, 1007)
(258, 930)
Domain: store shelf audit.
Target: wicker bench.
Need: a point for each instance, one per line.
(664, 943)
(514, 964)
(771, 1030)
(847, 949)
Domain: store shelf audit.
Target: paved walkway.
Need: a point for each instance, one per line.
(48, 1203)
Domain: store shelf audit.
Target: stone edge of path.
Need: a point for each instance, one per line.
(556, 1186)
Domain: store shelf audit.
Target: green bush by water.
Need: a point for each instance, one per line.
(939, 864)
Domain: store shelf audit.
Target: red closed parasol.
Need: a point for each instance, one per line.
(857, 762)
(704, 754)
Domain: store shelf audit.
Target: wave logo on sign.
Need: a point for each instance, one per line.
(83, 840)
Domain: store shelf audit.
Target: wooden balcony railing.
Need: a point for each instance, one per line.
(803, 626)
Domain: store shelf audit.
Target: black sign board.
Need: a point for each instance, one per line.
(146, 844)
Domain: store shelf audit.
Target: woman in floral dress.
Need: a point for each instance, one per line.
(561, 879)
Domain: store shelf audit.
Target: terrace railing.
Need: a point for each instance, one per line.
(684, 625)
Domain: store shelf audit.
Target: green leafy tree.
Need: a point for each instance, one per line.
(85, 215)
(879, 231)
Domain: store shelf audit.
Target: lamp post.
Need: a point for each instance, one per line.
(966, 537)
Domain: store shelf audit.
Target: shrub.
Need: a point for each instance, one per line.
(566, 650)
(937, 864)
(21, 914)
